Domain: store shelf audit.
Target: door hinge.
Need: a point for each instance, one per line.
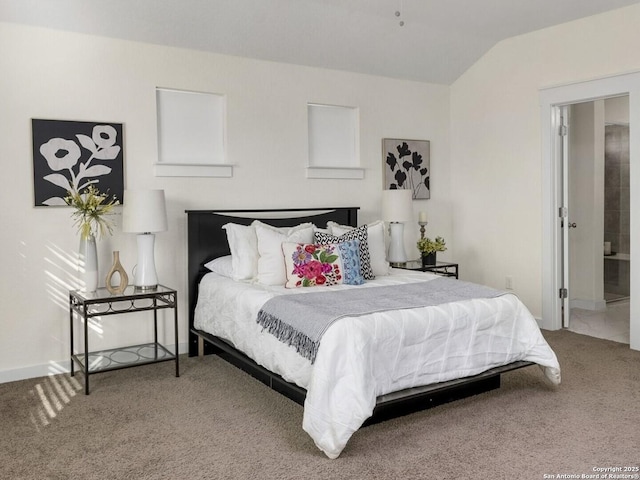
(562, 212)
(562, 131)
(563, 293)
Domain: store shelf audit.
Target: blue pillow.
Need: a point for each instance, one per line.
(360, 234)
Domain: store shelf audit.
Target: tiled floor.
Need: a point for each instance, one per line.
(612, 324)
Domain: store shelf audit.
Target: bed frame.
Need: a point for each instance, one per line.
(207, 240)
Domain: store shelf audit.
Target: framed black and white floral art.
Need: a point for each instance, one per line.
(69, 156)
(406, 165)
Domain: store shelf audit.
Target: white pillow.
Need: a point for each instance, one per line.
(221, 265)
(377, 246)
(244, 250)
(271, 267)
(321, 230)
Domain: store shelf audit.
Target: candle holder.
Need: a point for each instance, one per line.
(422, 227)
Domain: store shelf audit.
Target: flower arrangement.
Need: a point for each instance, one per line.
(91, 207)
(428, 246)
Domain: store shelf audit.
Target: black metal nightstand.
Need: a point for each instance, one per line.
(446, 269)
(100, 303)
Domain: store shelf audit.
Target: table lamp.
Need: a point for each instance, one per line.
(396, 209)
(144, 213)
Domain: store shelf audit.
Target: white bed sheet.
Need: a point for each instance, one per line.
(360, 358)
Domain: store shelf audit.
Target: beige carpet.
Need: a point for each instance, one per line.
(215, 422)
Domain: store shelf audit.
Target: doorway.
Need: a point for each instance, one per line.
(598, 233)
(550, 100)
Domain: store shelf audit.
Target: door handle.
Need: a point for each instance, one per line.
(572, 225)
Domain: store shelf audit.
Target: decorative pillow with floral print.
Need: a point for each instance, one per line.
(310, 264)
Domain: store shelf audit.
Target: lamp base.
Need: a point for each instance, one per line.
(145, 273)
(398, 264)
(396, 253)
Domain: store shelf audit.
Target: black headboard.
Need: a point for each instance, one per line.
(207, 240)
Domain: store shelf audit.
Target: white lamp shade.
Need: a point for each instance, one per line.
(397, 206)
(144, 211)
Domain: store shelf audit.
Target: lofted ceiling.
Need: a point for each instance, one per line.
(439, 40)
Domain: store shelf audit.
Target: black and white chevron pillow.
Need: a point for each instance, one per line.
(359, 233)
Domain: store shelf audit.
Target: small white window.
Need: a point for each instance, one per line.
(334, 150)
(191, 134)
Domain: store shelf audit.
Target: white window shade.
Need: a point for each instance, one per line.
(333, 142)
(191, 134)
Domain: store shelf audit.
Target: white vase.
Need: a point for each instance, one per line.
(88, 263)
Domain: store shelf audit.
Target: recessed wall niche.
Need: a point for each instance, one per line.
(334, 146)
(191, 134)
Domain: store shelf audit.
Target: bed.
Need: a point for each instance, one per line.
(222, 315)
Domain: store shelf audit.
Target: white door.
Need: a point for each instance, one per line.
(563, 144)
(582, 222)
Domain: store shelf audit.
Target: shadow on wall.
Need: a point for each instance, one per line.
(64, 273)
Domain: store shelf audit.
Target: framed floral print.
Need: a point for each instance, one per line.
(70, 156)
(406, 165)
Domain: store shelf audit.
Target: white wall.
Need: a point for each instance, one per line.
(496, 157)
(616, 110)
(486, 189)
(56, 75)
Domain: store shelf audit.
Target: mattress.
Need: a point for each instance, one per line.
(361, 358)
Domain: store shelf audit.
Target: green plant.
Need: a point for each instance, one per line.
(427, 246)
(91, 207)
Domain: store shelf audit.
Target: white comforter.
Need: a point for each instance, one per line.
(363, 357)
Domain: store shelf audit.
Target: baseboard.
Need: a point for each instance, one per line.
(586, 304)
(53, 368)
